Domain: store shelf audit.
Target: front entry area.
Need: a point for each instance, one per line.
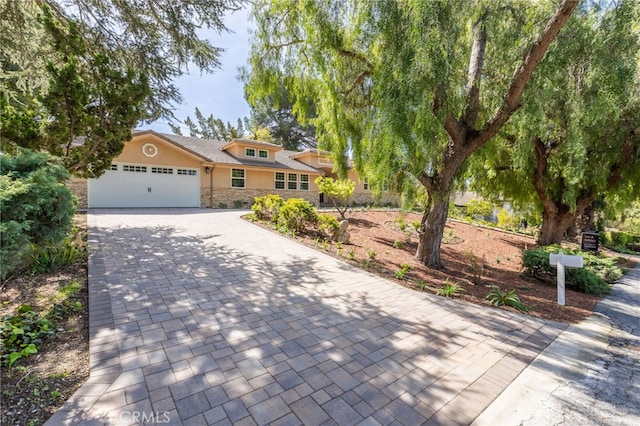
(136, 185)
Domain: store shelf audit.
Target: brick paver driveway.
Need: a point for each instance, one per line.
(197, 317)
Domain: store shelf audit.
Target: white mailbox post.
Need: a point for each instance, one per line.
(562, 261)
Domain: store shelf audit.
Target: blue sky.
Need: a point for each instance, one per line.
(219, 93)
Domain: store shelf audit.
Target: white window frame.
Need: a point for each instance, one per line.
(244, 178)
(292, 181)
(304, 183)
(365, 184)
(282, 181)
(247, 150)
(265, 152)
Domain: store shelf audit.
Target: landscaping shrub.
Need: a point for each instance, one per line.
(507, 220)
(621, 240)
(594, 278)
(49, 257)
(36, 207)
(296, 214)
(479, 209)
(267, 207)
(327, 224)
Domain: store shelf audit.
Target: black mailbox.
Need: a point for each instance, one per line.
(590, 241)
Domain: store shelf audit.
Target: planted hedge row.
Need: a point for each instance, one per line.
(595, 278)
(293, 215)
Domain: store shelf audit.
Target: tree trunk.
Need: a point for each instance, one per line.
(554, 224)
(432, 230)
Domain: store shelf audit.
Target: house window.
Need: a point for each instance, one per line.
(279, 182)
(263, 153)
(367, 186)
(304, 182)
(237, 178)
(292, 181)
(249, 152)
(162, 170)
(114, 167)
(136, 169)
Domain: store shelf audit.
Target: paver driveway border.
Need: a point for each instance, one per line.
(197, 317)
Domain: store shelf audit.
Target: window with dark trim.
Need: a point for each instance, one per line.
(304, 182)
(279, 180)
(292, 181)
(249, 152)
(237, 178)
(263, 153)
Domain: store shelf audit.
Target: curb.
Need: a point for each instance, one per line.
(565, 360)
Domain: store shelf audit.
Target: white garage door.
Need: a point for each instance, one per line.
(135, 185)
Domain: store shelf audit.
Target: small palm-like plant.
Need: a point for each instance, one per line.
(404, 268)
(509, 298)
(450, 289)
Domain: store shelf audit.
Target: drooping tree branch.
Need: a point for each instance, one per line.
(476, 62)
(511, 101)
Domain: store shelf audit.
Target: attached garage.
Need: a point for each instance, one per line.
(145, 185)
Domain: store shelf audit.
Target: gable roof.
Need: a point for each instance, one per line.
(212, 150)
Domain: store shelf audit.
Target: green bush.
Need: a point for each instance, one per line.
(327, 224)
(296, 214)
(267, 207)
(623, 240)
(593, 278)
(479, 209)
(21, 334)
(47, 258)
(36, 207)
(507, 220)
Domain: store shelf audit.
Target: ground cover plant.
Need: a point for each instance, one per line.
(481, 261)
(44, 331)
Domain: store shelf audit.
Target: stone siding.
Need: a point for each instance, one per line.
(232, 197)
(384, 199)
(79, 188)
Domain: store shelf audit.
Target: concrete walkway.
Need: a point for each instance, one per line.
(197, 317)
(590, 375)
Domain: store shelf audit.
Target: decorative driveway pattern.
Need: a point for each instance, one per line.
(197, 317)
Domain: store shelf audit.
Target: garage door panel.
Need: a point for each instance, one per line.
(145, 186)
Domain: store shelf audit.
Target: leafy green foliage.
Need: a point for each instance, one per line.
(402, 272)
(275, 112)
(509, 298)
(48, 257)
(267, 207)
(622, 240)
(395, 84)
(212, 128)
(574, 142)
(338, 191)
(296, 214)
(21, 334)
(450, 289)
(507, 220)
(86, 113)
(36, 207)
(157, 38)
(327, 224)
(479, 209)
(594, 278)
(24, 332)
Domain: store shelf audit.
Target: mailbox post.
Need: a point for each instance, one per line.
(562, 261)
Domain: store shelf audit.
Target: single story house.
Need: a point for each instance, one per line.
(163, 170)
